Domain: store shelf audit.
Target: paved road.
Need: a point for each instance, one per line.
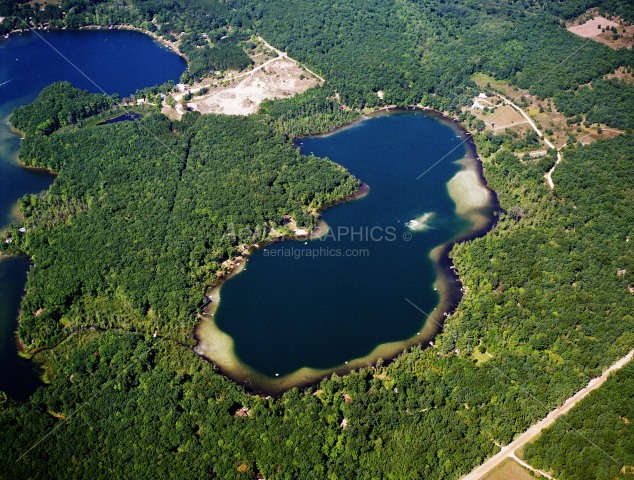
(536, 429)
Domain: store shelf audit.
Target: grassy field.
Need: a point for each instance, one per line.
(480, 357)
(509, 469)
(544, 113)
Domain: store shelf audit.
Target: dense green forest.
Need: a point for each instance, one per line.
(413, 51)
(439, 44)
(544, 298)
(316, 111)
(133, 229)
(610, 102)
(605, 418)
(59, 105)
(204, 61)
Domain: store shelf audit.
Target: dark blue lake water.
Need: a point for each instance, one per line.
(109, 61)
(321, 303)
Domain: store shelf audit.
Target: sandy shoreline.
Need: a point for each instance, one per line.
(216, 346)
(467, 188)
(474, 201)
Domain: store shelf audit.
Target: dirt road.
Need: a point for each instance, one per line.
(242, 93)
(536, 429)
(548, 175)
(283, 54)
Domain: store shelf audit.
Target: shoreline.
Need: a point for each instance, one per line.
(447, 282)
(216, 346)
(395, 110)
(321, 229)
(172, 46)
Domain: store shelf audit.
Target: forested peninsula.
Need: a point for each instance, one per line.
(152, 211)
(134, 225)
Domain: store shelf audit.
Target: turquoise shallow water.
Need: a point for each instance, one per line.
(112, 61)
(322, 303)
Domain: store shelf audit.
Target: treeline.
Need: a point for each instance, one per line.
(624, 10)
(570, 9)
(489, 143)
(418, 52)
(59, 105)
(315, 111)
(546, 297)
(604, 417)
(133, 229)
(206, 60)
(440, 45)
(610, 102)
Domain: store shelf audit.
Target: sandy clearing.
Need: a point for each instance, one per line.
(279, 78)
(591, 29)
(500, 116)
(529, 120)
(283, 54)
(514, 124)
(543, 112)
(242, 93)
(504, 117)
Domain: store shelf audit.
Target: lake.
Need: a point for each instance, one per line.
(111, 61)
(372, 285)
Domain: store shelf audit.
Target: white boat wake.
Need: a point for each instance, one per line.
(421, 223)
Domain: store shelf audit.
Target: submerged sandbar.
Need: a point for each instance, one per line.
(472, 202)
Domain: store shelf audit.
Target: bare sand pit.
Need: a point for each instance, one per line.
(281, 78)
(592, 28)
(598, 28)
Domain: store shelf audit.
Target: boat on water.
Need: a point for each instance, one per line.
(420, 223)
(412, 224)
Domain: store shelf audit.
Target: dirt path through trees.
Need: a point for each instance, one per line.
(535, 430)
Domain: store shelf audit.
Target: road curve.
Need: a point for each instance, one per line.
(536, 429)
(548, 175)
